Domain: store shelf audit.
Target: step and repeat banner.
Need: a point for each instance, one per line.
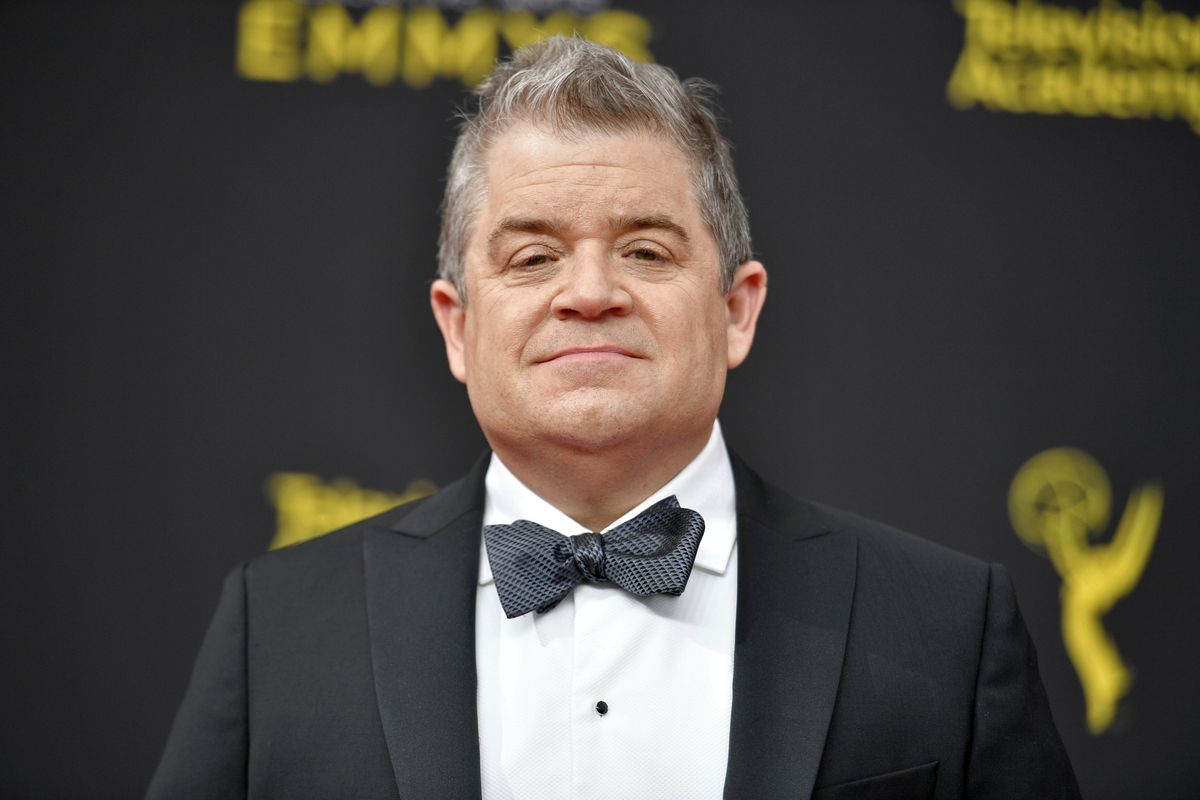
(981, 220)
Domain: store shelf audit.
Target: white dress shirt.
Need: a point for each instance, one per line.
(662, 664)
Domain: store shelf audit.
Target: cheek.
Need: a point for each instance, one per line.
(707, 336)
(696, 357)
(495, 337)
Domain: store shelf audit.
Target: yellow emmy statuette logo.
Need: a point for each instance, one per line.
(1059, 501)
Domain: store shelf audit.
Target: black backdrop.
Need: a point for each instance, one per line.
(210, 279)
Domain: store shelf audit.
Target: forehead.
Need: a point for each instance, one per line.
(530, 170)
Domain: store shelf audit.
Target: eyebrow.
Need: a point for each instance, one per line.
(523, 225)
(655, 221)
(550, 226)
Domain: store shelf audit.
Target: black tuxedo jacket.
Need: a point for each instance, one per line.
(868, 664)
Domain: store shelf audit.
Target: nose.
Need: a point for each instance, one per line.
(591, 287)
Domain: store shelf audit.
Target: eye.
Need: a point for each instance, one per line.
(531, 259)
(647, 254)
(536, 260)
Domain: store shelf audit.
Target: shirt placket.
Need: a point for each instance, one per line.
(594, 674)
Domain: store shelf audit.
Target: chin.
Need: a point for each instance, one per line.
(590, 425)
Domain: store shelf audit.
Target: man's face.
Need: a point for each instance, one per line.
(594, 313)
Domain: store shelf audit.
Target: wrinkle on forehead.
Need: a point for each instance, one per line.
(517, 169)
(583, 172)
(542, 177)
(582, 151)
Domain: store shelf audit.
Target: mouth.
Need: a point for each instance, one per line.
(590, 354)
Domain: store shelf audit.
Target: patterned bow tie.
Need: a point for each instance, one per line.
(535, 567)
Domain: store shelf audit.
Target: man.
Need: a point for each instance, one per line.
(596, 285)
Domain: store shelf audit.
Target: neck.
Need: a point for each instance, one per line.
(595, 488)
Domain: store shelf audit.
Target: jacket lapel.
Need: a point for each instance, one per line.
(795, 588)
(421, 574)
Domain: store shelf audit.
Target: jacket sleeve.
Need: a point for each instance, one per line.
(205, 755)
(1015, 748)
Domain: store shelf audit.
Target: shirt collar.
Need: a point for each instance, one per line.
(705, 485)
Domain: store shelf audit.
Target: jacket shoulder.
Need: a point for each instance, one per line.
(897, 571)
(878, 543)
(899, 548)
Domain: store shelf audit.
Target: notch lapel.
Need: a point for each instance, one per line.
(796, 581)
(421, 576)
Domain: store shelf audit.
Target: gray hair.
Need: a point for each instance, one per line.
(575, 86)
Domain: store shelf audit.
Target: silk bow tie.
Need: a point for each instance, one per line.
(535, 567)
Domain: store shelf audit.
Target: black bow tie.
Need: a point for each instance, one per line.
(652, 553)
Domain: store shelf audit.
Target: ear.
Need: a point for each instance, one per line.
(451, 317)
(743, 303)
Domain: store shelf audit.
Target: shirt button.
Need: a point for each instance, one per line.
(602, 708)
